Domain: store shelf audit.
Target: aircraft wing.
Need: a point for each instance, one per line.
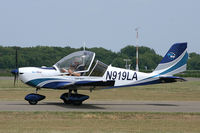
(88, 84)
(95, 83)
(74, 82)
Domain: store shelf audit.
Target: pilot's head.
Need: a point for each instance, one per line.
(77, 61)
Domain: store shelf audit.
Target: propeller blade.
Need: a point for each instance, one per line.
(16, 58)
(15, 79)
(15, 72)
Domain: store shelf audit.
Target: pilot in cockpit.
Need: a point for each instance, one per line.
(75, 66)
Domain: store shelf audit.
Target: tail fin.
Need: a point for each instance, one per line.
(175, 61)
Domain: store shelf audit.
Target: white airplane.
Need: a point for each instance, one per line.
(79, 71)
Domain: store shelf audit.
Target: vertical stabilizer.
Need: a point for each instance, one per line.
(175, 61)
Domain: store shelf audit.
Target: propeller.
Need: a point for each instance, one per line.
(15, 71)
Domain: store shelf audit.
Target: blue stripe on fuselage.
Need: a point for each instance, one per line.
(55, 85)
(35, 82)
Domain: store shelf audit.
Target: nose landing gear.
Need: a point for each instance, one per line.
(34, 98)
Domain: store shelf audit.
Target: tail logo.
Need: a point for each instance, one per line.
(171, 55)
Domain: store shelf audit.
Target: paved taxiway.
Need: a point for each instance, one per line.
(105, 106)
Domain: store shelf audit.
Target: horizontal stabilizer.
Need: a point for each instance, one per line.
(169, 79)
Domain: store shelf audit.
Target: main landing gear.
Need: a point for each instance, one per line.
(73, 98)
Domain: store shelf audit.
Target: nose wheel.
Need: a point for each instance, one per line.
(34, 98)
(31, 102)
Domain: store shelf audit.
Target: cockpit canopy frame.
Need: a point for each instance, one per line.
(80, 60)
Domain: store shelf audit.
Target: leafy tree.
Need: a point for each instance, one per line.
(47, 56)
(194, 61)
(104, 55)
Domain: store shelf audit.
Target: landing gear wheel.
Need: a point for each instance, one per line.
(33, 98)
(67, 101)
(77, 103)
(32, 102)
(75, 99)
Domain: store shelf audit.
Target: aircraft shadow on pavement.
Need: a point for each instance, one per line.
(135, 104)
(83, 106)
(60, 104)
(162, 104)
(93, 106)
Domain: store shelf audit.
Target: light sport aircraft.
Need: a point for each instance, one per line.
(97, 75)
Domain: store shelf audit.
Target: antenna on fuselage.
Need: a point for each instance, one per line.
(137, 67)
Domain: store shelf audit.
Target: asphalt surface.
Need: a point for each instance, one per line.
(105, 106)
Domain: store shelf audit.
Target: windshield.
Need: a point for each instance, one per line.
(80, 61)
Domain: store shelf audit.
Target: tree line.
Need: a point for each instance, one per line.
(47, 56)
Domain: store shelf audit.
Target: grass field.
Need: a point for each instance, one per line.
(65, 122)
(101, 122)
(179, 91)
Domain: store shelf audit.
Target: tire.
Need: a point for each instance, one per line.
(33, 102)
(67, 102)
(77, 103)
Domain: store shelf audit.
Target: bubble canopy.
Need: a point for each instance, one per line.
(81, 61)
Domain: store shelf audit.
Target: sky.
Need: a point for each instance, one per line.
(109, 24)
